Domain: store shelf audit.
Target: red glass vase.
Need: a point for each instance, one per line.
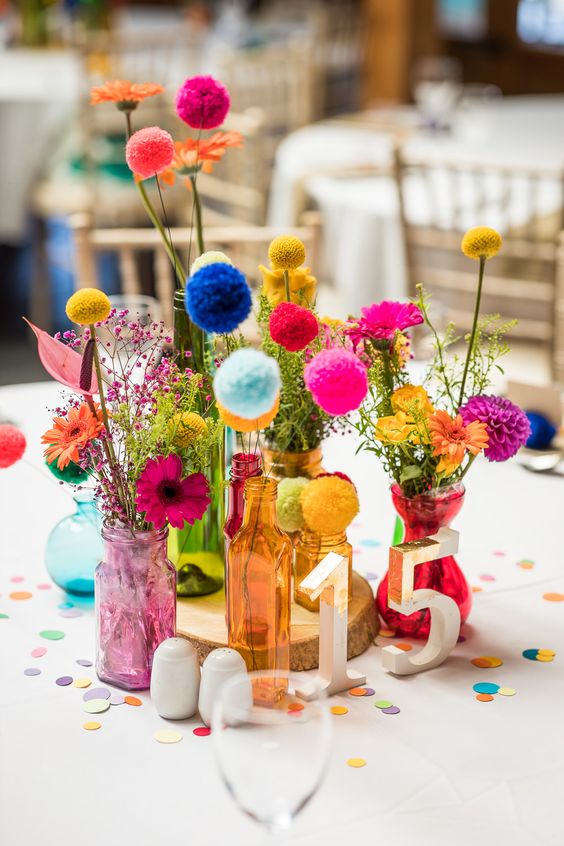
(422, 516)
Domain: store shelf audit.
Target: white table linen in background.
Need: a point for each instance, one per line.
(446, 769)
(361, 215)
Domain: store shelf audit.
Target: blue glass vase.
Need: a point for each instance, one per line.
(74, 548)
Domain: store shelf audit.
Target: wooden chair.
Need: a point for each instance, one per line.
(558, 350)
(246, 245)
(439, 202)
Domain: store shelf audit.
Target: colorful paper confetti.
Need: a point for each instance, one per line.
(339, 710)
(132, 700)
(507, 691)
(64, 681)
(295, 706)
(357, 691)
(83, 682)
(20, 594)
(117, 699)
(484, 697)
(167, 736)
(97, 693)
(44, 586)
(553, 597)
(383, 703)
(68, 613)
(526, 564)
(486, 661)
(487, 577)
(38, 652)
(405, 647)
(91, 726)
(542, 655)
(84, 662)
(96, 706)
(32, 671)
(52, 634)
(356, 763)
(393, 709)
(17, 579)
(4, 617)
(486, 687)
(201, 731)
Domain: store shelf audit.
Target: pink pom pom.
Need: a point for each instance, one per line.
(149, 151)
(337, 381)
(292, 326)
(202, 102)
(12, 444)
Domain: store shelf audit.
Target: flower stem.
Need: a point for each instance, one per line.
(287, 285)
(474, 328)
(198, 216)
(169, 248)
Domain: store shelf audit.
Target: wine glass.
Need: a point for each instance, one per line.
(272, 748)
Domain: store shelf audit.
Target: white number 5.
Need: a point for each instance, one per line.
(445, 616)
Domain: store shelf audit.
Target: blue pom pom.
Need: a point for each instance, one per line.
(247, 383)
(542, 431)
(218, 298)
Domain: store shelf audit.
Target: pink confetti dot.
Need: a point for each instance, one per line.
(499, 553)
(202, 731)
(17, 579)
(487, 577)
(44, 586)
(39, 652)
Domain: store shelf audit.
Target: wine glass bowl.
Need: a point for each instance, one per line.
(272, 748)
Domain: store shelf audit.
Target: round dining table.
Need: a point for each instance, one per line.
(443, 768)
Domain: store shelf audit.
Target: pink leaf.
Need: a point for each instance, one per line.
(61, 361)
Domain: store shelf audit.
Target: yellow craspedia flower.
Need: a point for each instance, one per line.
(481, 242)
(286, 252)
(211, 257)
(411, 398)
(394, 429)
(329, 505)
(241, 424)
(88, 305)
(186, 427)
(302, 285)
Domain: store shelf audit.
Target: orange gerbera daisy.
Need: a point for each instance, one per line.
(69, 434)
(126, 95)
(451, 438)
(193, 155)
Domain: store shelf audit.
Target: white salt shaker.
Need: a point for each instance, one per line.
(175, 679)
(220, 665)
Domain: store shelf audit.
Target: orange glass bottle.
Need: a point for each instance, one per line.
(259, 575)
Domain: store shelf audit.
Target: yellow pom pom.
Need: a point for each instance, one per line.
(211, 257)
(241, 424)
(89, 305)
(481, 242)
(286, 252)
(185, 428)
(329, 504)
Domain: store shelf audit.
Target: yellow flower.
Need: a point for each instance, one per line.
(331, 322)
(241, 424)
(447, 465)
(286, 252)
(394, 429)
(411, 398)
(211, 257)
(185, 428)
(481, 242)
(302, 286)
(403, 347)
(88, 305)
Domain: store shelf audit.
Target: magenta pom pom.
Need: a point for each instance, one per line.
(293, 326)
(507, 425)
(149, 151)
(202, 102)
(12, 444)
(337, 381)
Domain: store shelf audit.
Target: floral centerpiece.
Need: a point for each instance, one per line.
(145, 444)
(428, 435)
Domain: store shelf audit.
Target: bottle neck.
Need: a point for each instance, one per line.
(324, 542)
(244, 465)
(189, 339)
(260, 501)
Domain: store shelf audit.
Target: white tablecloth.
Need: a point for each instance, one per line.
(445, 769)
(361, 215)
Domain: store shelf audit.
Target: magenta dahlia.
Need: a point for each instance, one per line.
(383, 320)
(293, 326)
(507, 425)
(202, 102)
(164, 496)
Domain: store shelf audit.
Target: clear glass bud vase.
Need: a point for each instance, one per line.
(74, 547)
(135, 605)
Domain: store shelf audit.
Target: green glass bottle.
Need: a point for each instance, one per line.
(198, 551)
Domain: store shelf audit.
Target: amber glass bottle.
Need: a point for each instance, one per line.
(288, 465)
(311, 548)
(259, 575)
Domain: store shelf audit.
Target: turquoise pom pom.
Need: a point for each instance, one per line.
(247, 383)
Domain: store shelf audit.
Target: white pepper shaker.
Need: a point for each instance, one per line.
(175, 679)
(220, 665)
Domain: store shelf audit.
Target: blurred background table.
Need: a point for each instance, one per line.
(446, 767)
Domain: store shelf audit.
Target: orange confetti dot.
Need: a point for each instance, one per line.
(339, 710)
(20, 594)
(405, 647)
(526, 564)
(132, 700)
(484, 697)
(387, 633)
(357, 691)
(485, 661)
(550, 597)
(295, 706)
(476, 589)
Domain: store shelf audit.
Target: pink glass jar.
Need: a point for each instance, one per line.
(135, 595)
(244, 465)
(422, 516)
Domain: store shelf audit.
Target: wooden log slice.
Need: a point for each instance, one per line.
(202, 621)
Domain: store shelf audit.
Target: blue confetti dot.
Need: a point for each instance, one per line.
(486, 687)
(370, 542)
(531, 654)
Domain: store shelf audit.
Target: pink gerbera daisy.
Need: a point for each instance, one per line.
(163, 495)
(383, 320)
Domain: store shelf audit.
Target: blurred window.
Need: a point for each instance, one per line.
(541, 22)
(463, 20)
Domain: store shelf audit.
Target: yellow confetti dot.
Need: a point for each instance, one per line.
(339, 709)
(356, 762)
(91, 726)
(549, 652)
(507, 691)
(545, 657)
(167, 736)
(387, 633)
(486, 661)
(82, 683)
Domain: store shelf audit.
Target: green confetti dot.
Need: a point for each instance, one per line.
(4, 617)
(383, 703)
(52, 634)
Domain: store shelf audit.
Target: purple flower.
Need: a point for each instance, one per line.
(507, 425)
(383, 320)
